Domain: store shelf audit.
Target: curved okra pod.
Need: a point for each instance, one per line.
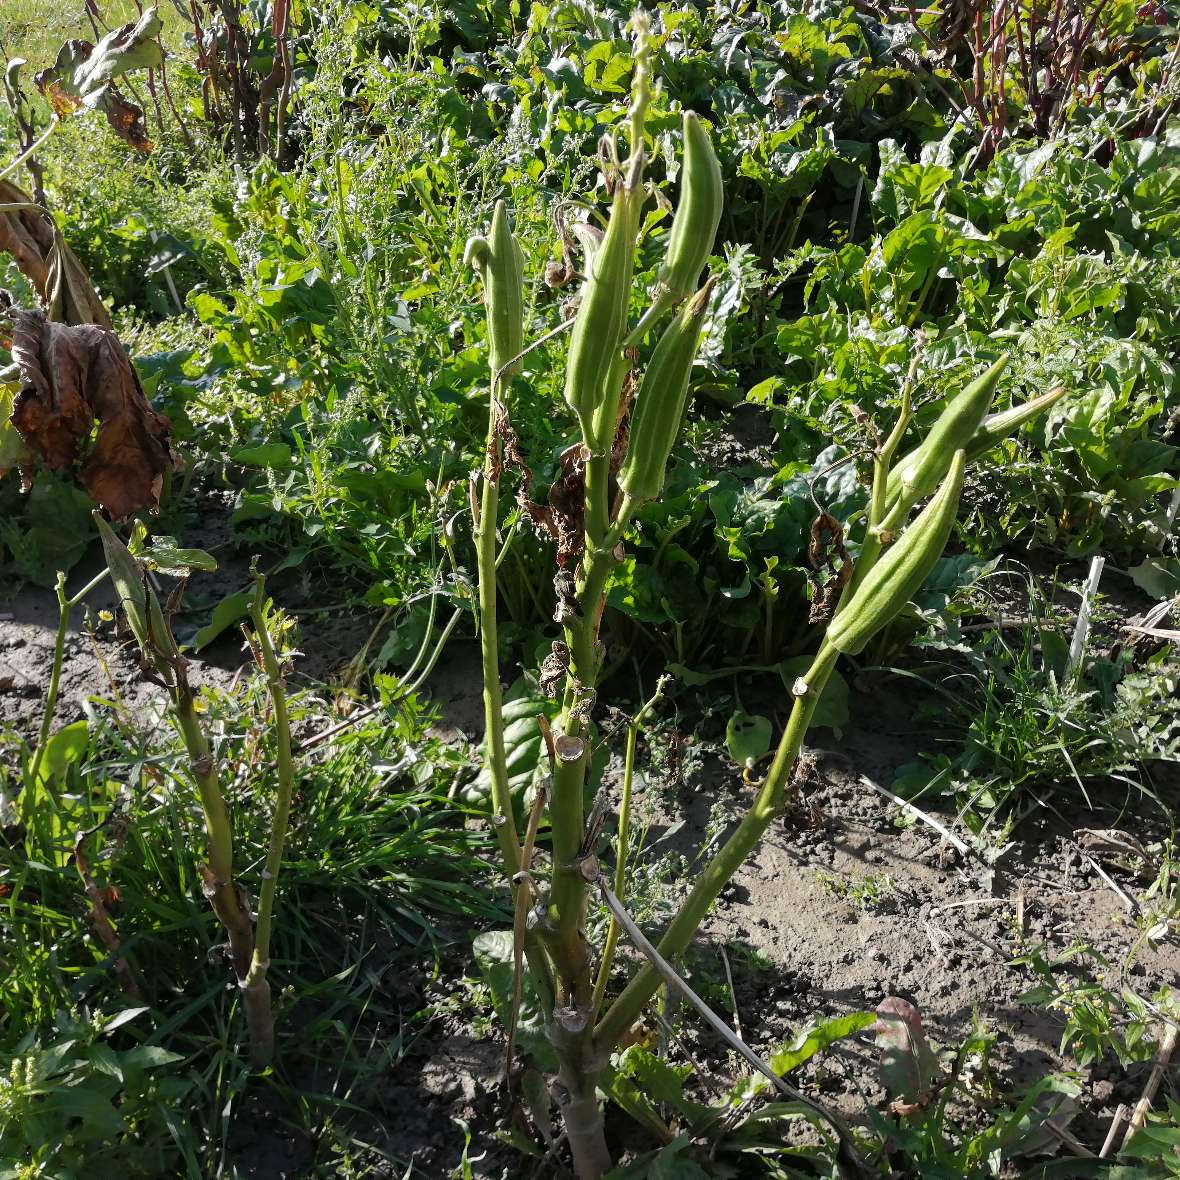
(996, 427)
(893, 580)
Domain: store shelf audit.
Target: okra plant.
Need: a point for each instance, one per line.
(627, 427)
(249, 942)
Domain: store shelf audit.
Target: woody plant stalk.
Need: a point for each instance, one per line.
(249, 944)
(619, 463)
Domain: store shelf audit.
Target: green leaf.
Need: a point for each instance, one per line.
(657, 1079)
(64, 748)
(166, 557)
(523, 746)
(106, 1060)
(747, 737)
(665, 1163)
(52, 530)
(150, 1057)
(122, 1018)
(802, 1048)
(273, 455)
(493, 955)
(814, 1040)
(13, 451)
(92, 1108)
(1157, 576)
(227, 612)
(84, 76)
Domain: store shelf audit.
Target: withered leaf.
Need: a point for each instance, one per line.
(908, 1064)
(83, 76)
(71, 378)
(46, 260)
(26, 235)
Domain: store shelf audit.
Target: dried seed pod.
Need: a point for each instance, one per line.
(698, 213)
(500, 263)
(891, 583)
(919, 472)
(659, 404)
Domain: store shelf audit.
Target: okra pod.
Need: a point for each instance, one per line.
(659, 404)
(919, 472)
(895, 578)
(698, 213)
(499, 260)
(996, 427)
(138, 600)
(602, 316)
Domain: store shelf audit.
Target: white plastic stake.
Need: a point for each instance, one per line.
(1081, 631)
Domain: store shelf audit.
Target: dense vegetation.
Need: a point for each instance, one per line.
(317, 283)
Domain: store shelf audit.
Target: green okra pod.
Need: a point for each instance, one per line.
(996, 427)
(602, 317)
(659, 404)
(698, 213)
(918, 473)
(139, 602)
(500, 263)
(895, 578)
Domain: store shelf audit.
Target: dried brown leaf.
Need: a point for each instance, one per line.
(83, 76)
(71, 378)
(46, 260)
(26, 235)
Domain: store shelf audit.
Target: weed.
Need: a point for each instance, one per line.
(867, 893)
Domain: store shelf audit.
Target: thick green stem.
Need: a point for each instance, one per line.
(256, 990)
(622, 843)
(729, 858)
(582, 1119)
(217, 872)
(493, 699)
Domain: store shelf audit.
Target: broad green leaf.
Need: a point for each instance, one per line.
(273, 455)
(670, 1162)
(523, 746)
(802, 1048)
(122, 1018)
(747, 737)
(1157, 576)
(493, 955)
(84, 76)
(227, 612)
(65, 748)
(165, 556)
